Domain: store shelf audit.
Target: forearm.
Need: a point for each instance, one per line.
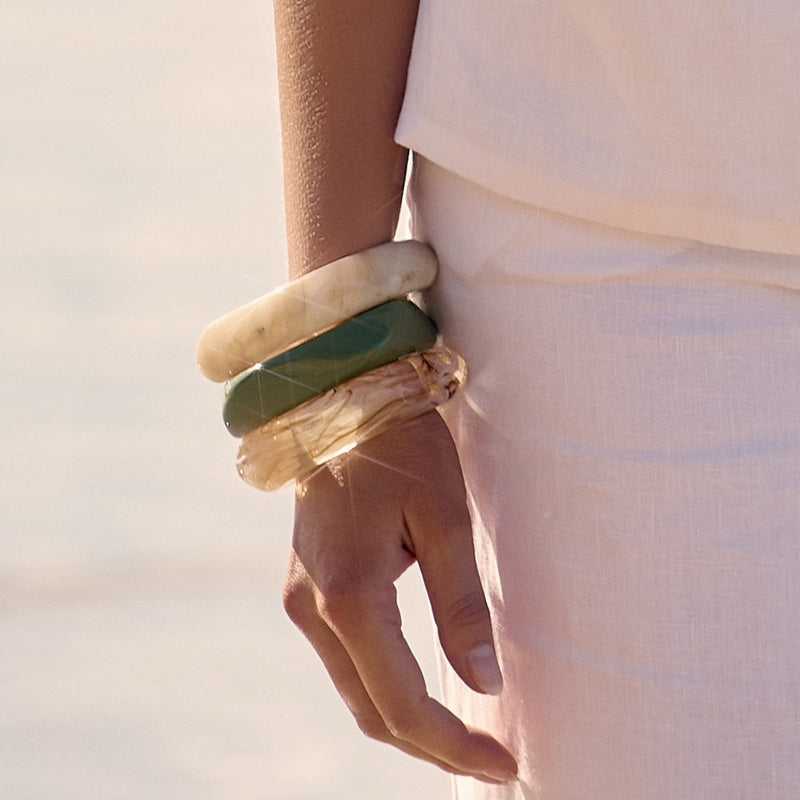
(342, 70)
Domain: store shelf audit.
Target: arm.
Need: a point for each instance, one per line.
(399, 497)
(342, 70)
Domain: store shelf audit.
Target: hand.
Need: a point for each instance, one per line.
(358, 527)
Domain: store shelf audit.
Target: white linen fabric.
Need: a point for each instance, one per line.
(630, 436)
(675, 117)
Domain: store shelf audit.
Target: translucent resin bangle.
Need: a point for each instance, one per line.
(313, 303)
(329, 425)
(378, 336)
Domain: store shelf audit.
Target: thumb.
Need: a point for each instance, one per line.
(447, 561)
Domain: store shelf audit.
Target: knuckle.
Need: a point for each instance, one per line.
(402, 723)
(295, 602)
(294, 595)
(341, 602)
(469, 610)
(297, 595)
(373, 727)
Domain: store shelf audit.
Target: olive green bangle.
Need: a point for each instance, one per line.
(378, 336)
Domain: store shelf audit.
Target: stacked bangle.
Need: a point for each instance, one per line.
(332, 424)
(328, 361)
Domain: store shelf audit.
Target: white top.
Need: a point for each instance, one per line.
(675, 117)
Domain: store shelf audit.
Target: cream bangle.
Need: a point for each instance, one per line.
(313, 303)
(329, 425)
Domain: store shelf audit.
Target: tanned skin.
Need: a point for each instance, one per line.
(400, 497)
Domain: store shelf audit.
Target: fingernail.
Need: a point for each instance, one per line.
(502, 776)
(485, 670)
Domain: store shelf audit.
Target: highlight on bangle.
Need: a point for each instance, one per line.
(329, 360)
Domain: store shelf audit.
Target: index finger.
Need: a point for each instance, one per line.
(368, 624)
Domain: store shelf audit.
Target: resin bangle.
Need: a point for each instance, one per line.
(314, 302)
(291, 445)
(376, 337)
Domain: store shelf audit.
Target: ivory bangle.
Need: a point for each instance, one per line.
(293, 444)
(314, 302)
(371, 339)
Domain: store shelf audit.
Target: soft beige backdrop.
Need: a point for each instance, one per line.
(144, 650)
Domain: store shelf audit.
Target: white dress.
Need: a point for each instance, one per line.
(630, 437)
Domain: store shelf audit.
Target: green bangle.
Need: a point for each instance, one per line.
(362, 343)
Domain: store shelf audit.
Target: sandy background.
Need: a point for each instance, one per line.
(144, 650)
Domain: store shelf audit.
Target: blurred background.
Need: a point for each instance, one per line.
(144, 649)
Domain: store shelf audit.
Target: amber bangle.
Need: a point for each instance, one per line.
(321, 429)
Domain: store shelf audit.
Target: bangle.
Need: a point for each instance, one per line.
(376, 337)
(327, 426)
(314, 302)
